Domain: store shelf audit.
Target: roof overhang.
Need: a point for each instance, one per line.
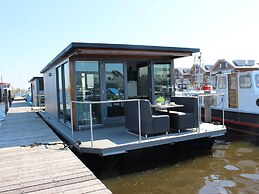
(34, 78)
(99, 50)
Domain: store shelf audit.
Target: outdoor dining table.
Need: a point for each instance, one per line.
(167, 107)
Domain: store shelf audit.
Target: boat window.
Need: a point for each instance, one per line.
(257, 80)
(245, 81)
(222, 82)
(233, 83)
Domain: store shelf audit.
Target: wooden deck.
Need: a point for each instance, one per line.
(26, 167)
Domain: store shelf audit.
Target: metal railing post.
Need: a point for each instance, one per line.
(139, 121)
(199, 114)
(223, 111)
(91, 124)
(72, 122)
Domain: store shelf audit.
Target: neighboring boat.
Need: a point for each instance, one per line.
(241, 101)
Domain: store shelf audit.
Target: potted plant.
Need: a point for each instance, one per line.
(160, 100)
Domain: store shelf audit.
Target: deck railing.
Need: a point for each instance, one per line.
(105, 102)
(139, 115)
(40, 101)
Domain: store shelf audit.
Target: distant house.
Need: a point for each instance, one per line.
(223, 66)
(182, 73)
(37, 91)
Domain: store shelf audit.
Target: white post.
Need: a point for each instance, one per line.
(223, 111)
(199, 114)
(91, 124)
(139, 121)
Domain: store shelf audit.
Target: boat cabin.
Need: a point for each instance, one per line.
(102, 72)
(241, 90)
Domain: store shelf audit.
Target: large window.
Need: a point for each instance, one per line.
(115, 90)
(162, 81)
(60, 92)
(245, 81)
(63, 88)
(67, 92)
(257, 80)
(143, 82)
(87, 83)
(41, 85)
(222, 82)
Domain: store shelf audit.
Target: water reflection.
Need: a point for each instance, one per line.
(227, 168)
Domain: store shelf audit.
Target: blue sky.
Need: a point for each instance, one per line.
(33, 32)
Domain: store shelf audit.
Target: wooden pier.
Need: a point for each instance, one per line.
(34, 160)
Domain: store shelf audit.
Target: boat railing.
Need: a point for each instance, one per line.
(203, 98)
(91, 103)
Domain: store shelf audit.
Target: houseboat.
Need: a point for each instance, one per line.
(36, 92)
(102, 99)
(241, 101)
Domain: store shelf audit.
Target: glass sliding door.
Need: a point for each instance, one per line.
(67, 93)
(114, 90)
(87, 86)
(59, 72)
(162, 81)
(144, 82)
(63, 93)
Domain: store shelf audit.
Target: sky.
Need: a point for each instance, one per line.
(33, 32)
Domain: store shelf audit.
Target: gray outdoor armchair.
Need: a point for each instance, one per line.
(150, 124)
(184, 117)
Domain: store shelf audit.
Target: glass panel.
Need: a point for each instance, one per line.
(60, 93)
(114, 78)
(41, 85)
(257, 80)
(67, 91)
(233, 83)
(143, 82)
(222, 82)
(162, 82)
(245, 81)
(87, 89)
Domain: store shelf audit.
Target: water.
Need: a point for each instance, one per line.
(231, 167)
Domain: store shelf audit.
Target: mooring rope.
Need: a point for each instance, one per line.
(66, 145)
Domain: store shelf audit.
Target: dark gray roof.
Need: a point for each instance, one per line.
(34, 79)
(208, 67)
(75, 45)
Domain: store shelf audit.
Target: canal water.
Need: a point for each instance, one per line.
(231, 166)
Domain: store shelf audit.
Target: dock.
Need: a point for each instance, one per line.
(34, 160)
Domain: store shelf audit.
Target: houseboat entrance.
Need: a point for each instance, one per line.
(87, 85)
(232, 91)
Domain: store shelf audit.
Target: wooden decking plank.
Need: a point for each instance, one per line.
(43, 168)
(92, 185)
(39, 176)
(48, 183)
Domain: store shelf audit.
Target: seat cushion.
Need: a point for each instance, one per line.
(180, 120)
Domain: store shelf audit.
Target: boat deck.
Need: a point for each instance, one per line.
(115, 140)
(33, 159)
